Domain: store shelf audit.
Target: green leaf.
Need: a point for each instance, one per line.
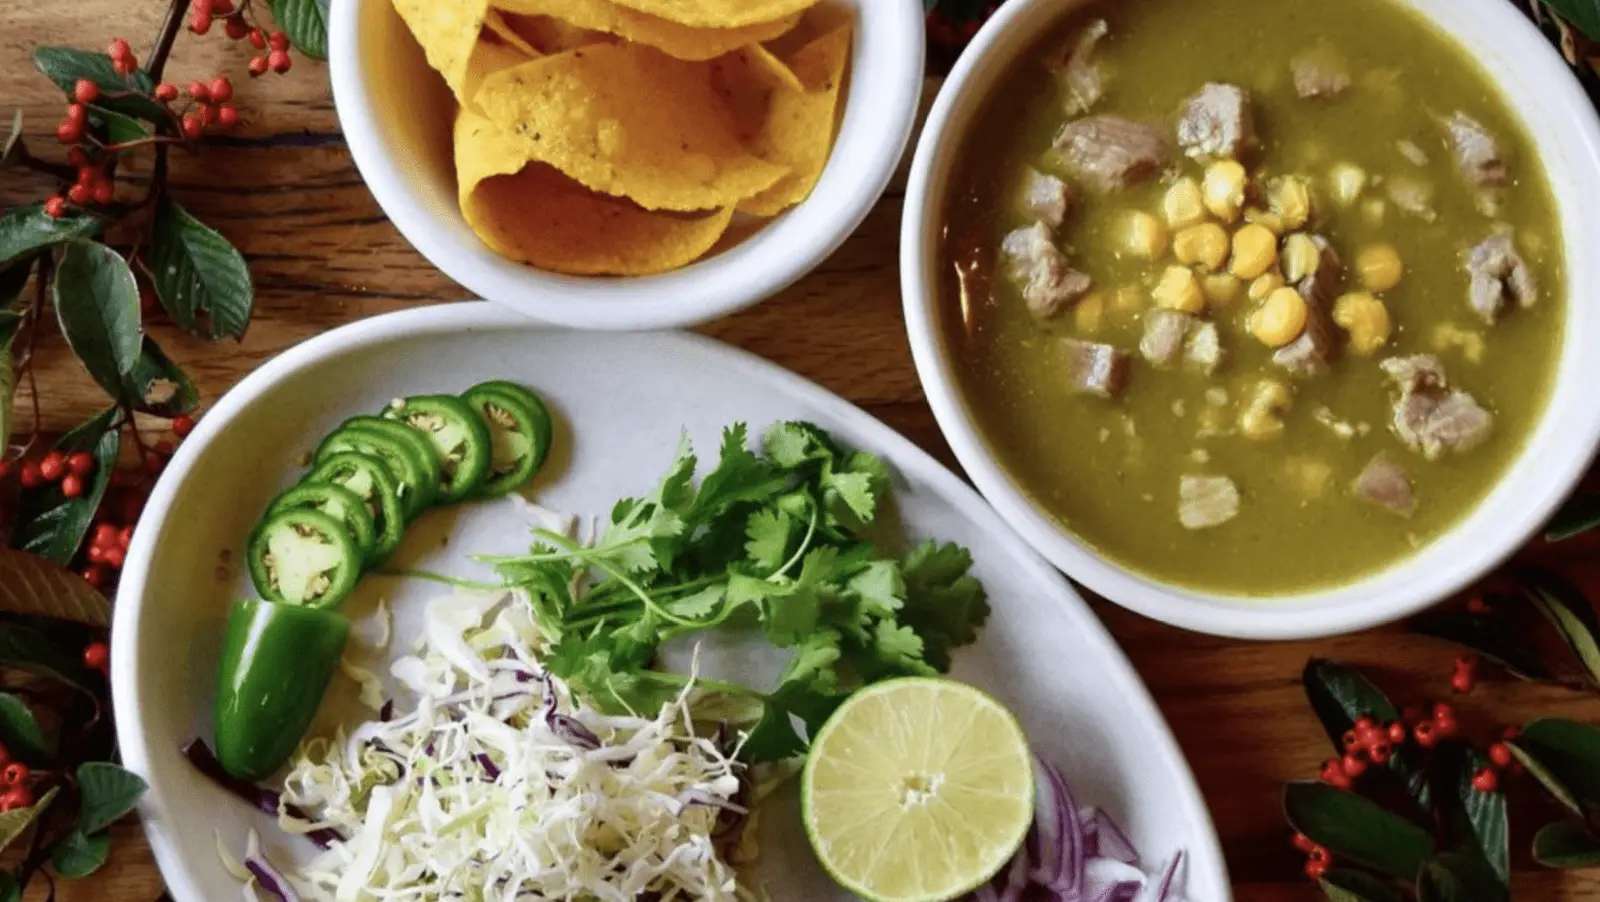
(1580, 514)
(65, 65)
(1569, 752)
(1357, 829)
(106, 793)
(767, 535)
(24, 230)
(1487, 635)
(20, 731)
(1459, 877)
(15, 822)
(26, 648)
(1349, 885)
(1340, 695)
(115, 128)
(1566, 844)
(52, 525)
(197, 272)
(1475, 820)
(10, 889)
(77, 856)
(1548, 780)
(1570, 612)
(97, 302)
(12, 149)
(945, 604)
(159, 386)
(29, 584)
(1583, 15)
(306, 24)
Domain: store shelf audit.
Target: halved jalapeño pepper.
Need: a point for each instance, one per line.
(458, 434)
(337, 502)
(276, 663)
(370, 479)
(417, 480)
(520, 433)
(304, 557)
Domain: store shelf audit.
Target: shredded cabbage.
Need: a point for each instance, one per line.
(487, 787)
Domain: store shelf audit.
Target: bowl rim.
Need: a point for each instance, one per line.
(911, 459)
(1550, 464)
(879, 113)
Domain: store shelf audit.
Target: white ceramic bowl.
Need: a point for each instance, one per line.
(396, 117)
(1562, 122)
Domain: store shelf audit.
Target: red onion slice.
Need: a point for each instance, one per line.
(272, 880)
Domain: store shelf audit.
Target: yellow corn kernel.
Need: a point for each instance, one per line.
(1300, 257)
(1221, 288)
(1145, 236)
(1272, 222)
(1205, 244)
(1183, 205)
(1223, 189)
(1373, 209)
(1262, 417)
(1289, 196)
(1280, 319)
(1265, 285)
(1255, 249)
(1365, 318)
(1348, 181)
(1089, 313)
(1179, 290)
(1379, 267)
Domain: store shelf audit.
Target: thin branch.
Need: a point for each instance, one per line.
(169, 34)
(60, 170)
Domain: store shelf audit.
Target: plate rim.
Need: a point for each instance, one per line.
(467, 317)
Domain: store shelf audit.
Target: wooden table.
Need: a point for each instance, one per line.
(323, 254)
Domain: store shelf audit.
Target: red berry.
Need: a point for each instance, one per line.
(5, 470)
(77, 112)
(164, 448)
(118, 49)
(1500, 754)
(77, 157)
(1443, 711)
(52, 466)
(227, 117)
(105, 193)
(55, 207)
(11, 801)
(258, 39)
(209, 112)
(1333, 774)
(30, 476)
(154, 463)
(193, 126)
(15, 774)
(166, 92)
(199, 90)
(221, 7)
(97, 553)
(1447, 728)
(1303, 843)
(1380, 752)
(86, 91)
(236, 28)
(258, 66)
(1351, 742)
(104, 536)
(199, 22)
(115, 557)
(1353, 766)
(125, 537)
(278, 40)
(1462, 681)
(79, 195)
(1478, 606)
(279, 61)
(97, 576)
(72, 485)
(1315, 869)
(1365, 724)
(1427, 734)
(1486, 780)
(201, 6)
(221, 89)
(96, 656)
(1397, 733)
(1510, 733)
(182, 426)
(1467, 661)
(69, 132)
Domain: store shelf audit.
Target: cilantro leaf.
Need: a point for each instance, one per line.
(740, 477)
(768, 532)
(944, 604)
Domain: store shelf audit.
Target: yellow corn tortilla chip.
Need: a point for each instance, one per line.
(448, 32)
(798, 130)
(629, 121)
(767, 61)
(531, 213)
(500, 28)
(720, 13)
(549, 35)
(686, 42)
(488, 58)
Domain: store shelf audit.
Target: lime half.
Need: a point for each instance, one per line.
(917, 790)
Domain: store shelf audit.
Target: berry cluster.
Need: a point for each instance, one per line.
(14, 775)
(211, 106)
(1318, 859)
(237, 26)
(71, 471)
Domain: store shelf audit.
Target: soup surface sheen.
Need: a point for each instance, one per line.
(1110, 469)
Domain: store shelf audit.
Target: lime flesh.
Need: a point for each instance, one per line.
(917, 790)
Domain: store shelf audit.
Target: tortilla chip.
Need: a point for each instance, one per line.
(720, 13)
(500, 28)
(767, 62)
(799, 127)
(550, 36)
(488, 58)
(630, 121)
(531, 213)
(448, 32)
(684, 42)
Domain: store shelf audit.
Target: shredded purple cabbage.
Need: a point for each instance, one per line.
(386, 713)
(271, 880)
(266, 801)
(569, 729)
(489, 769)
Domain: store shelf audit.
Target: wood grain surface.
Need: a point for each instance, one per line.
(285, 191)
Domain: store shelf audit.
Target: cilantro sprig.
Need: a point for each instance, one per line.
(789, 541)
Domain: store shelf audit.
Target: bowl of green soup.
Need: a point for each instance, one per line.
(1263, 319)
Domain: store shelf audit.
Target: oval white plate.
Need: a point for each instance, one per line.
(621, 401)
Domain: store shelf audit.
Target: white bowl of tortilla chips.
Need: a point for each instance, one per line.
(626, 164)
